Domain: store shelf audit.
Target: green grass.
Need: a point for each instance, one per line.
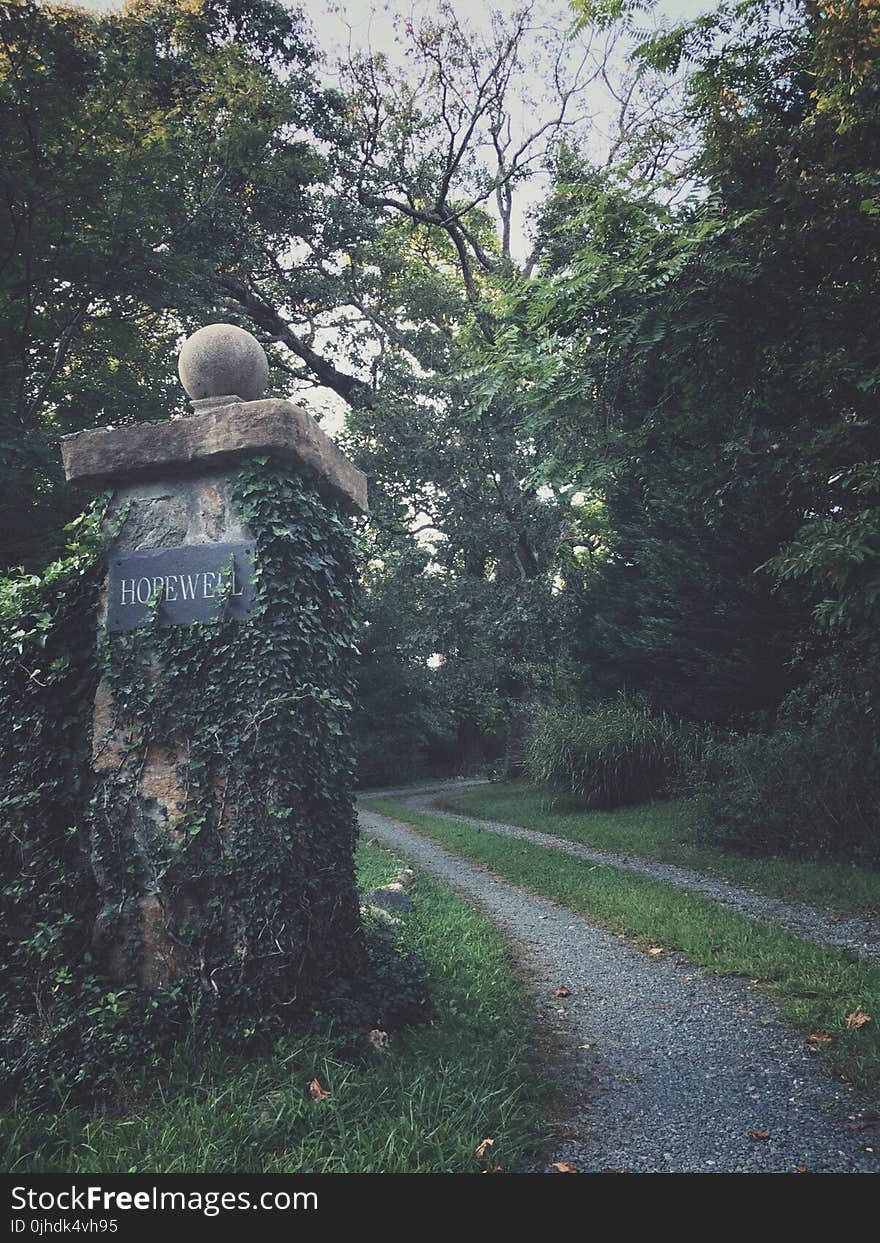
(816, 987)
(663, 831)
(421, 1107)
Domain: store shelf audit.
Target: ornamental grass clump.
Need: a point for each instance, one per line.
(612, 754)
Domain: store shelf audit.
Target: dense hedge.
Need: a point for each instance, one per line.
(810, 786)
(255, 875)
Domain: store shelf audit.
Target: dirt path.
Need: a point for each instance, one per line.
(674, 1068)
(853, 932)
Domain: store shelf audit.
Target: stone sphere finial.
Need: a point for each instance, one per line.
(221, 363)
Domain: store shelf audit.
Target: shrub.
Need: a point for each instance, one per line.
(809, 787)
(615, 753)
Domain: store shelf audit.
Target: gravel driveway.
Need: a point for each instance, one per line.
(668, 1069)
(858, 933)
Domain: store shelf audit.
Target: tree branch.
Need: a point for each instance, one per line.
(355, 392)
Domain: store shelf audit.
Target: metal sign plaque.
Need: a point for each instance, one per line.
(199, 582)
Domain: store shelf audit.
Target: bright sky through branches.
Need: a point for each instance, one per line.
(345, 28)
(349, 28)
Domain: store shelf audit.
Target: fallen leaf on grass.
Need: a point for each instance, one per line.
(562, 992)
(316, 1092)
(858, 1018)
(759, 1134)
(482, 1148)
(563, 1167)
(817, 1038)
(655, 950)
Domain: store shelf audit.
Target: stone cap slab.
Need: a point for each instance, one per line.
(215, 437)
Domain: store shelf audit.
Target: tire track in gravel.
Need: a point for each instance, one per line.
(674, 1067)
(860, 934)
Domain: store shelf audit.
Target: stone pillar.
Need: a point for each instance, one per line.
(221, 844)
